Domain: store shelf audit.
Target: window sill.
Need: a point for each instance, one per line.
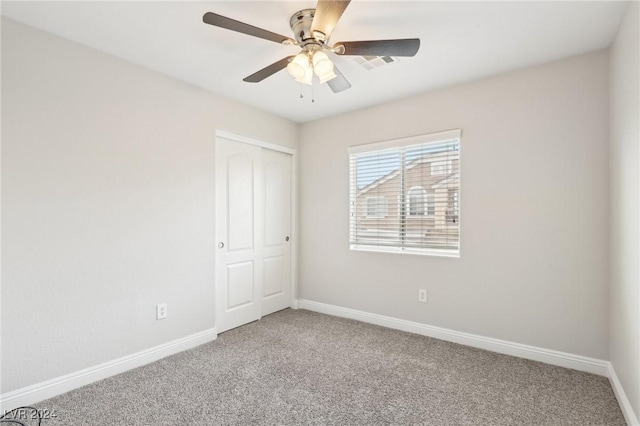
(403, 250)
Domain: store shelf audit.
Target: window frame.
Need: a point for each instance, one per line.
(380, 147)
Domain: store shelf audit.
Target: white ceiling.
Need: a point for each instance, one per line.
(460, 41)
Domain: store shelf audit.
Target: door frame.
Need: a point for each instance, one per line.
(294, 205)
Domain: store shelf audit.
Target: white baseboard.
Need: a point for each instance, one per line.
(50, 388)
(625, 405)
(562, 359)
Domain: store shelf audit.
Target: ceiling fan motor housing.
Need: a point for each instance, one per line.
(300, 23)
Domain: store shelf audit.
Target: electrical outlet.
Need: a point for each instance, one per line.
(422, 295)
(161, 311)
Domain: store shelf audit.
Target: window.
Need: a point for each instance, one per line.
(419, 203)
(377, 207)
(416, 200)
(404, 195)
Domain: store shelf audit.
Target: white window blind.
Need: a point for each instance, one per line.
(405, 195)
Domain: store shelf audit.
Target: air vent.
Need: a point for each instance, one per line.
(371, 62)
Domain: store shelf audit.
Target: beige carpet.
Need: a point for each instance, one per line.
(300, 367)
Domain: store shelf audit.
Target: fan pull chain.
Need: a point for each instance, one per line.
(313, 96)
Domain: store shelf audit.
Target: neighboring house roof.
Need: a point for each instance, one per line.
(418, 161)
(451, 178)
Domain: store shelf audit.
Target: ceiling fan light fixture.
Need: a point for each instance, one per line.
(312, 29)
(322, 65)
(306, 79)
(326, 77)
(300, 68)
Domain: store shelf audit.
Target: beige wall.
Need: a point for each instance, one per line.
(625, 206)
(534, 210)
(108, 204)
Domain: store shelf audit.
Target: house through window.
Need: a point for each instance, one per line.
(377, 207)
(420, 203)
(417, 198)
(452, 206)
(441, 167)
(404, 195)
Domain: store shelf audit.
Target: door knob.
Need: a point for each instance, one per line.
(220, 244)
(287, 239)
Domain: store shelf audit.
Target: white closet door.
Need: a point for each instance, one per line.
(276, 290)
(253, 220)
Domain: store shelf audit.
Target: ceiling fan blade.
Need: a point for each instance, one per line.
(399, 47)
(269, 70)
(233, 25)
(327, 15)
(339, 83)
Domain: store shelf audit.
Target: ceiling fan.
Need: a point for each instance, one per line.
(312, 29)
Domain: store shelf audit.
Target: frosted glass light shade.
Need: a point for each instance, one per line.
(323, 67)
(327, 77)
(307, 78)
(300, 68)
(321, 63)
